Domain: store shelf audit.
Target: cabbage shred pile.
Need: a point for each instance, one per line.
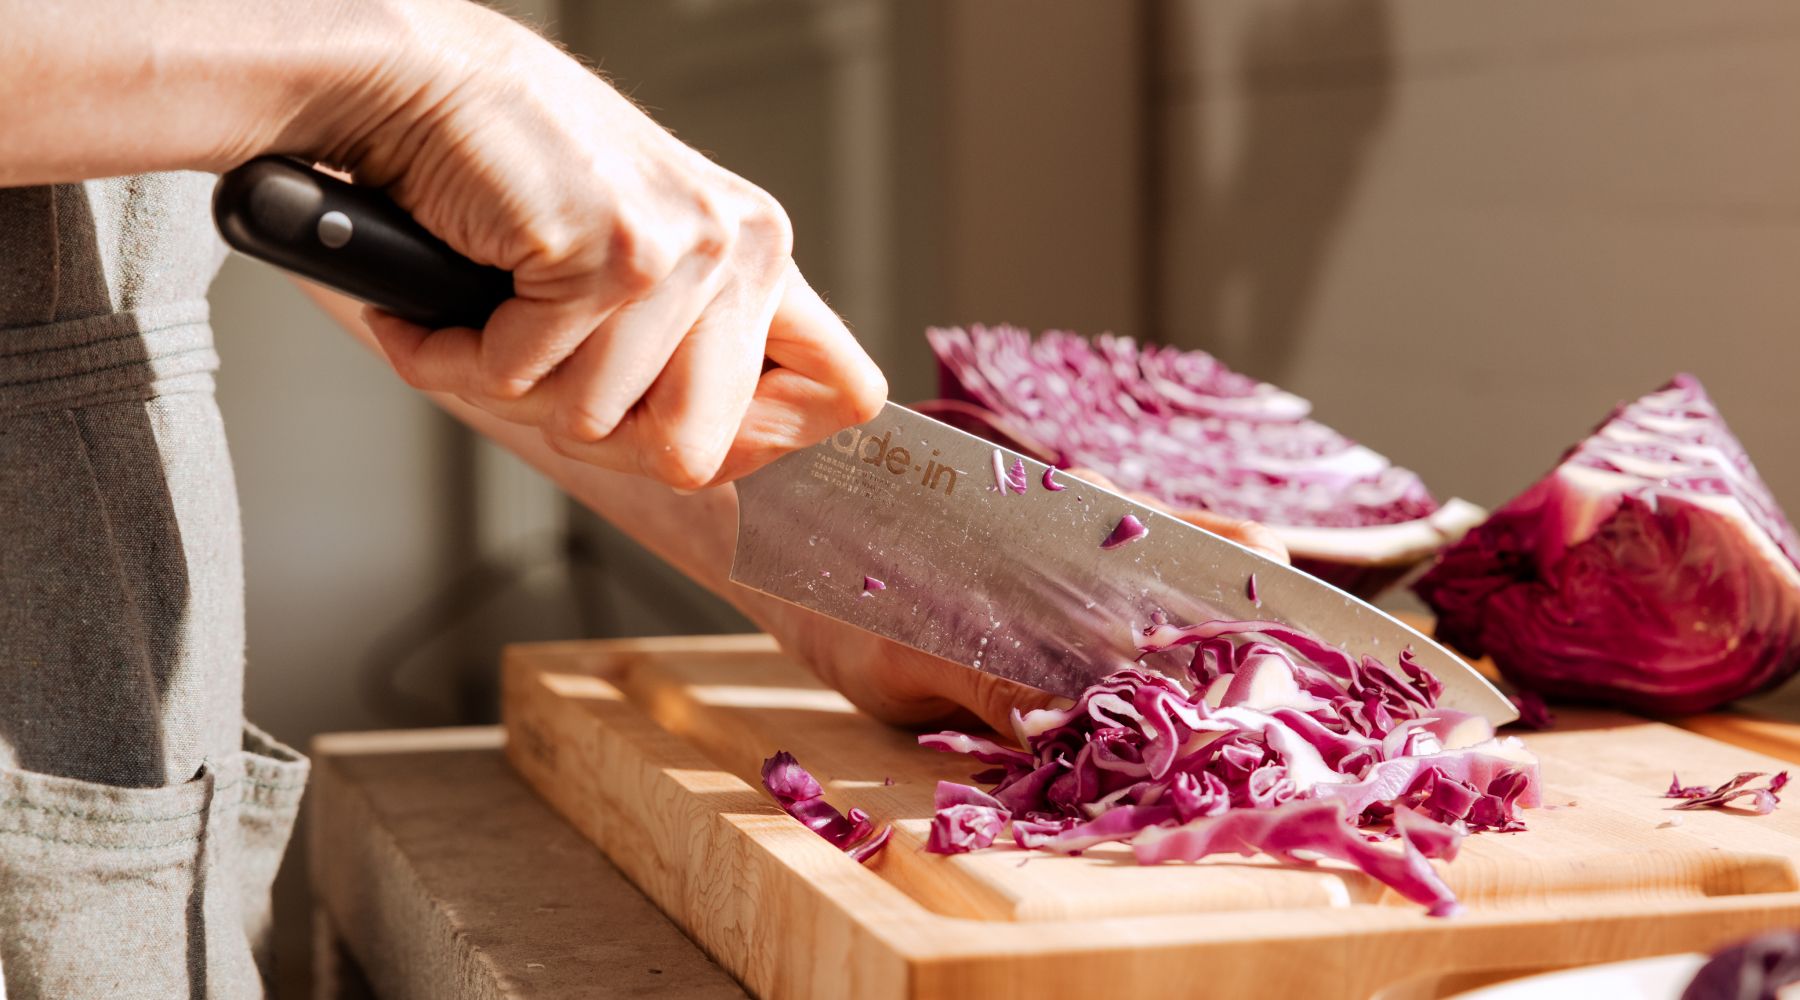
(1282, 745)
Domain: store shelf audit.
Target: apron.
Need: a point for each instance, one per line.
(141, 819)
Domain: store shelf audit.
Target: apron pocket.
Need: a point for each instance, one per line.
(101, 886)
(274, 779)
(144, 892)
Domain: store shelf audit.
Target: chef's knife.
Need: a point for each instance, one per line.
(901, 526)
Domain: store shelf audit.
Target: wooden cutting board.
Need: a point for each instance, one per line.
(652, 748)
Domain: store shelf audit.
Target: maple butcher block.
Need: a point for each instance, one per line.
(652, 747)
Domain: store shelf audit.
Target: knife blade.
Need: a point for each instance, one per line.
(1016, 585)
(1019, 585)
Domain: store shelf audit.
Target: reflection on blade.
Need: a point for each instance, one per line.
(1019, 585)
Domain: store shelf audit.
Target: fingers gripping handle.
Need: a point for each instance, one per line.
(354, 240)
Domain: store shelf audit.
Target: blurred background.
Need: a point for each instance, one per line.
(1464, 230)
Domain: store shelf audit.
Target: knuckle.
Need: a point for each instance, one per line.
(585, 420)
(714, 231)
(634, 261)
(551, 242)
(410, 373)
(506, 383)
(769, 224)
(686, 465)
(865, 401)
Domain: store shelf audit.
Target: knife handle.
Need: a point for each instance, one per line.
(353, 239)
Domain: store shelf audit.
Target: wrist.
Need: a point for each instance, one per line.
(381, 70)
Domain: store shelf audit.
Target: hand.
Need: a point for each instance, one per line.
(651, 284)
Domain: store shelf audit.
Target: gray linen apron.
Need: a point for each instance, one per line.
(141, 819)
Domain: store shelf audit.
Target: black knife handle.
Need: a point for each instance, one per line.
(355, 240)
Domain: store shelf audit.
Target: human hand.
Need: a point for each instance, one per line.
(650, 283)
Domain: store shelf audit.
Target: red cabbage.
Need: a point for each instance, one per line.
(966, 819)
(1010, 481)
(1533, 713)
(1051, 484)
(870, 585)
(1279, 744)
(1129, 529)
(801, 796)
(1756, 969)
(1180, 427)
(1651, 568)
(1762, 800)
(1318, 828)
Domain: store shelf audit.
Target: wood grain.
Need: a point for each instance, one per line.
(651, 747)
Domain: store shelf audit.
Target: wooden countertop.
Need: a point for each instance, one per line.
(444, 877)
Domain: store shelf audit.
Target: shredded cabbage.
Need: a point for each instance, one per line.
(1280, 744)
(1762, 800)
(801, 796)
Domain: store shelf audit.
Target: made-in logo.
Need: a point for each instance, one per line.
(882, 453)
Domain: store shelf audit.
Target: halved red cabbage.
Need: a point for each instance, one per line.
(1281, 744)
(801, 796)
(1182, 428)
(1651, 568)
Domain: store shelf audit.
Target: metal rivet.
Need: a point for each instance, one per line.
(334, 229)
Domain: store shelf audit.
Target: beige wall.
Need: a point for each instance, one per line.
(1467, 229)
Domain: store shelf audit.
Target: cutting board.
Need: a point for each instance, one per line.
(652, 748)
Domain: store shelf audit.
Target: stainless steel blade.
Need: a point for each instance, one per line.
(1018, 585)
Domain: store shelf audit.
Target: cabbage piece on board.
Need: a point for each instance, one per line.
(1181, 427)
(1650, 569)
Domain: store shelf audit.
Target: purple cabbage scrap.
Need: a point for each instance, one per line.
(801, 796)
(1011, 480)
(1762, 800)
(1129, 529)
(1277, 743)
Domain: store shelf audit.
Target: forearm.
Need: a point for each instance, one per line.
(694, 533)
(101, 88)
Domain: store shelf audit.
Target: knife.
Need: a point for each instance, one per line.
(900, 526)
